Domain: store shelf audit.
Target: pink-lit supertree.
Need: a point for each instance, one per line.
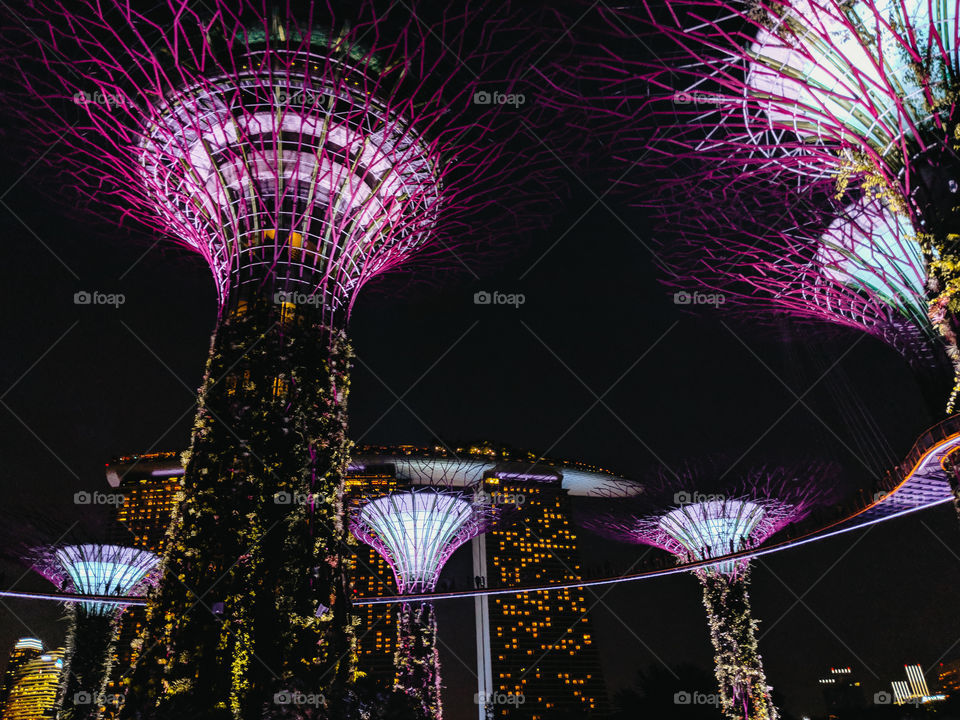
(416, 529)
(702, 513)
(764, 245)
(301, 154)
(862, 94)
(92, 570)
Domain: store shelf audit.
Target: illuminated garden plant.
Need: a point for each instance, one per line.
(92, 570)
(853, 263)
(416, 531)
(697, 515)
(301, 155)
(861, 93)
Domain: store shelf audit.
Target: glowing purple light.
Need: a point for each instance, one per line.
(417, 531)
(100, 570)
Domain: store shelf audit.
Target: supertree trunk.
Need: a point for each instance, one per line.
(743, 685)
(253, 598)
(417, 661)
(86, 663)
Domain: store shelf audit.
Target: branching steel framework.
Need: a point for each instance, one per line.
(861, 94)
(694, 517)
(416, 531)
(301, 155)
(92, 570)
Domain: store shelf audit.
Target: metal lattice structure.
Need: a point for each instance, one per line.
(860, 97)
(298, 154)
(857, 265)
(416, 531)
(98, 570)
(697, 515)
(301, 152)
(693, 517)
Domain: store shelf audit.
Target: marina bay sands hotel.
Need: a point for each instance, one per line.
(540, 645)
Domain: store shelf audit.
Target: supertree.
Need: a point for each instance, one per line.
(702, 513)
(416, 530)
(859, 93)
(301, 155)
(856, 265)
(92, 570)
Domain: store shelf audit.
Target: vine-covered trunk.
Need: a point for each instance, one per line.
(86, 662)
(931, 184)
(417, 660)
(251, 614)
(744, 694)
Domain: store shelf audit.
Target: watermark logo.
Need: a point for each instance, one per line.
(890, 498)
(499, 498)
(687, 97)
(98, 498)
(82, 97)
(684, 297)
(290, 697)
(496, 297)
(282, 297)
(86, 297)
(488, 699)
(882, 698)
(285, 498)
(687, 498)
(696, 698)
(483, 97)
(297, 98)
(83, 697)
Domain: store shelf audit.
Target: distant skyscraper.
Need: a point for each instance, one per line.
(842, 692)
(372, 576)
(918, 683)
(149, 485)
(948, 677)
(554, 639)
(914, 689)
(25, 650)
(33, 694)
(542, 644)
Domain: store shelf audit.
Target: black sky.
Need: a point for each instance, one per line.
(80, 384)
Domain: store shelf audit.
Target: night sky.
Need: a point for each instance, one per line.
(598, 365)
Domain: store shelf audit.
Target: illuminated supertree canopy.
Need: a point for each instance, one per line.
(853, 264)
(861, 94)
(703, 513)
(301, 154)
(92, 570)
(416, 531)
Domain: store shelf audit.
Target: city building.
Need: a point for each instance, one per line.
(539, 645)
(948, 677)
(842, 692)
(25, 650)
(376, 633)
(542, 644)
(33, 693)
(148, 486)
(914, 689)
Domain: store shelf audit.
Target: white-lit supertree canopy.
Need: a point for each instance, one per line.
(707, 511)
(92, 569)
(825, 262)
(103, 570)
(301, 150)
(859, 93)
(416, 531)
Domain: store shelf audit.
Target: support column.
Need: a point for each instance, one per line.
(482, 614)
